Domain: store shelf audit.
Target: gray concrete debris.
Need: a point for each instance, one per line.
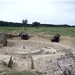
(55, 66)
(69, 54)
(48, 50)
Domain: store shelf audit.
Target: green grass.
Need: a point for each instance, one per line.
(68, 31)
(22, 73)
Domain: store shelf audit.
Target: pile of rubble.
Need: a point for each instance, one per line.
(61, 65)
(55, 65)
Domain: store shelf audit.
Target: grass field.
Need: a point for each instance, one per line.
(21, 73)
(68, 31)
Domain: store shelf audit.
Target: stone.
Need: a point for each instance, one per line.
(48, 50)
(21, 65)
(32, 63)
(67, 72)
(3, 39)
(69, 54)
(10, 63)
(60, 65)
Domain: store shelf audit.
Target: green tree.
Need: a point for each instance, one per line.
(36, 24)
(24, 23)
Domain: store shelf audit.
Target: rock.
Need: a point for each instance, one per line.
(36, 52)
(32, 63)
(10, 63)
(69, 54)
(48, 50)
(60, 65)
(18, 65)
(3, 39)
(27, 54)
(61, 57)
(67, 72)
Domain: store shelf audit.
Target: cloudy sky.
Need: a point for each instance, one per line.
(43, 11)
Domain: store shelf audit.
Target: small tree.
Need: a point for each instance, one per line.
(36, 24)
(24, 23)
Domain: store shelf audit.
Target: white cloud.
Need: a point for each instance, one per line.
(44, 11)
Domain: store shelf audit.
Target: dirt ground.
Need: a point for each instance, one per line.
(37, 43)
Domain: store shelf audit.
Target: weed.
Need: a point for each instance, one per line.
(4, 63)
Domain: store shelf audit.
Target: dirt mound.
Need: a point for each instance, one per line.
(11, 35)
(25, 36)
(55, 38)
(67, 41)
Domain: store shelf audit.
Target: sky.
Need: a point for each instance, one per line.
(43, 11)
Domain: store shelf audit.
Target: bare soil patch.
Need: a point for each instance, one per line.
(37, 43)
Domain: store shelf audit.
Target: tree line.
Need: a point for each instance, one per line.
(25, 24)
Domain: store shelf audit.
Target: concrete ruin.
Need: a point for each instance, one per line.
(3, 39)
